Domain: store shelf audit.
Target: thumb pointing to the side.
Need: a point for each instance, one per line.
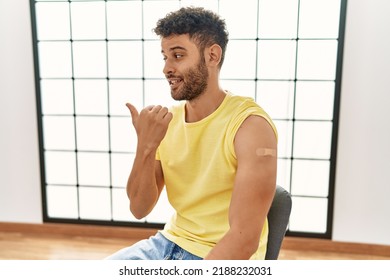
(133, 111)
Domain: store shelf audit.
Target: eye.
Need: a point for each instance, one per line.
(165, 58)
(178, 55)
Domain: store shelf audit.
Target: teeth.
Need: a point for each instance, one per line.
(173, 82)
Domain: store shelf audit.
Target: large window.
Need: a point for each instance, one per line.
(92, 57)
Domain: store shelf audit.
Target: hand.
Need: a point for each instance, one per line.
(151, 124)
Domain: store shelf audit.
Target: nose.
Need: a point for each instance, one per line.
(168, 68)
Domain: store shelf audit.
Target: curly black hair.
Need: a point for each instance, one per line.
(203, 26)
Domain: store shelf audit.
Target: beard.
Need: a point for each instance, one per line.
(194, 82)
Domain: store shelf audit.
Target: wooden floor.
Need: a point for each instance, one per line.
(83, 242)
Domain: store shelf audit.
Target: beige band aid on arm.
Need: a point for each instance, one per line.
(262, 152)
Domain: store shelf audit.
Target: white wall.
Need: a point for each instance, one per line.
(362, 208)
(20, 198)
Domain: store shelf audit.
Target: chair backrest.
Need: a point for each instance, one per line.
(278, 218)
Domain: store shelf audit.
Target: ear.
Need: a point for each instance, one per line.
(213, 55)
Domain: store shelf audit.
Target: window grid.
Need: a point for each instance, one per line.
(145, 79)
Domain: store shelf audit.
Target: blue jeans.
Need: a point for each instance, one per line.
(156, 247)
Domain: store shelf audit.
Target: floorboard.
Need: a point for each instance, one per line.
(83, 242)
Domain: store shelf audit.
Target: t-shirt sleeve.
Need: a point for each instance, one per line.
(246, 109)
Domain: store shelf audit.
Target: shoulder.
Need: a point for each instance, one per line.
(246, 112)
(245, 106)
(177, 108)
(238, 101)
(177, 111)
(256, 130)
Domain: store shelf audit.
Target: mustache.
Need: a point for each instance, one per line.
(171, 76)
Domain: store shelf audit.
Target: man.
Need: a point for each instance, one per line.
(215, 153)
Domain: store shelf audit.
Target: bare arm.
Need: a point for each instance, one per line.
(254, 188)
(146, 179)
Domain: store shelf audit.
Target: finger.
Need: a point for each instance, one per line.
(149, 108)
(133, 111)
(168, 117)
(162, 112)
(156, 109)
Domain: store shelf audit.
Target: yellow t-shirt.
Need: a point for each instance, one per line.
(199, 166)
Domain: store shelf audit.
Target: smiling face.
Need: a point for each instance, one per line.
(185, 67)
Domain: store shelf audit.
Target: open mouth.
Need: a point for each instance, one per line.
(174, 82)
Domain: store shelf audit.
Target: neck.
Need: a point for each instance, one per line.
(205, 104)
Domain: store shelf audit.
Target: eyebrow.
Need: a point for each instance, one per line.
(175, 48)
